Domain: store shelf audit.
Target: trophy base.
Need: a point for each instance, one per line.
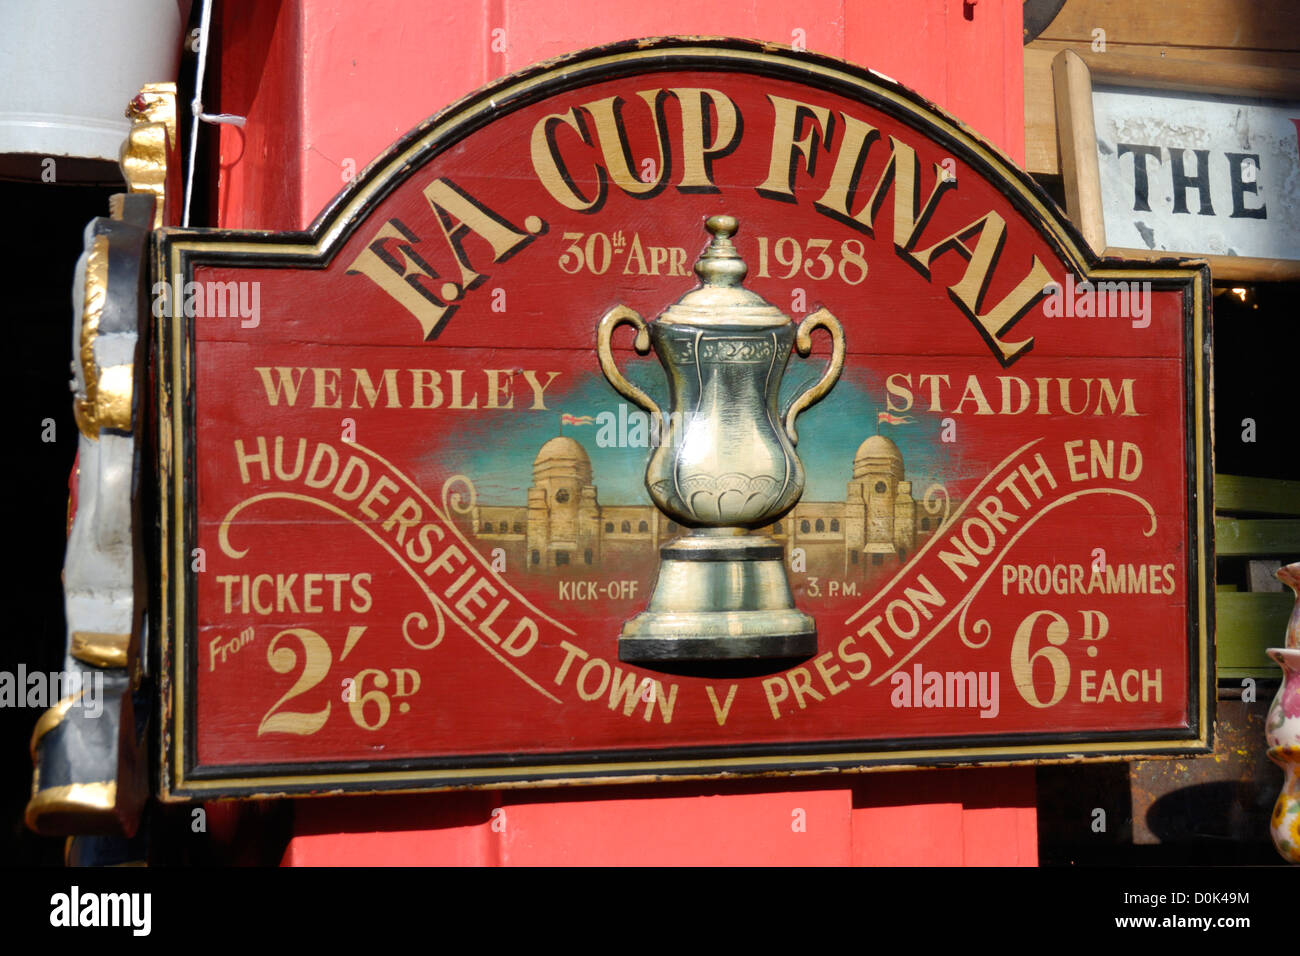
(719, 598)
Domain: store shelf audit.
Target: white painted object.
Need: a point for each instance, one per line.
(70, 68)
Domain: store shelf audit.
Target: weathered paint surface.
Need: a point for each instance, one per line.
(423, 511)
(1191, 173)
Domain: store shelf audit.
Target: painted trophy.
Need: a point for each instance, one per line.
(725, 467)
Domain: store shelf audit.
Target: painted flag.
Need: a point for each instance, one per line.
(894, 419)
(567, 419)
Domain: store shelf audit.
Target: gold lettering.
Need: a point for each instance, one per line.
(327, 388)
(425, 380)
(902, 390)
(448, 201)
(246, 459)
(697, 158)
(968, 292)
(285, 383)
(364, 384)
(498, 389)
(974, 394)
(607, 115)
(457, 398)
(904, 171)
(789, 116)
(550, 168)
(857, 141)
(538, 387)
(379, 262)
(1108, 395)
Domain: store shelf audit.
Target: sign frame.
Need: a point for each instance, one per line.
(1074, 76)
(179, 251)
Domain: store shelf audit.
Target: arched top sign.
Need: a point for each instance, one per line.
(350, 421)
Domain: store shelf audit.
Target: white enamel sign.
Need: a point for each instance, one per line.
(1197, 174)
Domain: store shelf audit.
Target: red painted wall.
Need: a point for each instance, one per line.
(941, 817)
(327, 85)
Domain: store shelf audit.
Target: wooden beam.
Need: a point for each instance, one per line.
(1245, 625)
(1268, 496)
(1257, 537)
(1235, 24)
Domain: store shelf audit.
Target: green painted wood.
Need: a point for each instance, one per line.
(1240, 494)
(1257, 537)
(1248, 623)
(1239, 673)
(1245, 626)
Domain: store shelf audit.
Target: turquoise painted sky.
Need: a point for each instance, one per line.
(496, 449)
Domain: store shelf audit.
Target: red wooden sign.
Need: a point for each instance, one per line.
(406, 514)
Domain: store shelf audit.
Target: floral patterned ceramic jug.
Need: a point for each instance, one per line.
(1282, 730)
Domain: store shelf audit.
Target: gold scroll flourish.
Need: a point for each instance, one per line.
(965, 601)
(223, 538)
(439, 607)
(143, 157)
(934, 506)
(441, 515)
(982, 626)
(423, 625)
(968, 502)
(451, 502)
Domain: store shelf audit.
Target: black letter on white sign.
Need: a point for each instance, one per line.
(1237, 163)
(1183, 182)
(1140, 154)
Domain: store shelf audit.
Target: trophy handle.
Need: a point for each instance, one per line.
(620, 315)
(822, 318)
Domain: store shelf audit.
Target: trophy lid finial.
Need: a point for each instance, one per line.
(721, 265)
(721, 300)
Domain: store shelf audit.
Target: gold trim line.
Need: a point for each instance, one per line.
(92, 310)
